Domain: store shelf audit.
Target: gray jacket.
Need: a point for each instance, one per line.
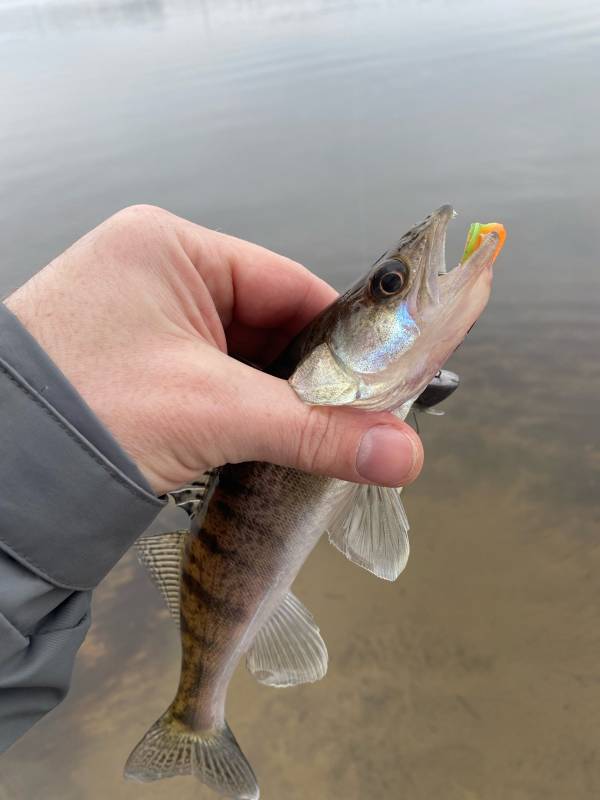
(71, 503)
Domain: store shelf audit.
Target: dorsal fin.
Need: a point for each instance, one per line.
(371, 529)
(194, 497)
(288, 649)
(161, 554)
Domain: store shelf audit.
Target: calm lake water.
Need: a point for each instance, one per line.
(324, 129)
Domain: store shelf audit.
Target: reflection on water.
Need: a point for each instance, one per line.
(324, 129)
(27, 18)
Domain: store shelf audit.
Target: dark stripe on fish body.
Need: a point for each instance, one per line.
(196, 675)
(197, 668)
(211, 543)
(225, 510)
(212, 546)
(230, 484)
(203, 642)
(221, 606)
(193, 559)
(207, 543)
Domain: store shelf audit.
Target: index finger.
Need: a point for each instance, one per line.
(272, 291)
(256, 288)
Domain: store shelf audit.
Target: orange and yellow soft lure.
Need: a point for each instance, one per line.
(476, 234)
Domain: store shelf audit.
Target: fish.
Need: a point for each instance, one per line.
(227, 581)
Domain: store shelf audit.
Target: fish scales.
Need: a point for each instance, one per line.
(262, 522)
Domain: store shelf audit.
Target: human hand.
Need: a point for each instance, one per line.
(140, 315)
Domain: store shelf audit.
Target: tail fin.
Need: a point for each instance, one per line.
(170, 748)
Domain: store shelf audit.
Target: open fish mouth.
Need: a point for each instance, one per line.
(440, 220)
(484, 242)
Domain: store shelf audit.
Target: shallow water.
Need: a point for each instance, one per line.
(324, 130)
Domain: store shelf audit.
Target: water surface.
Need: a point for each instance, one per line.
(324, 129)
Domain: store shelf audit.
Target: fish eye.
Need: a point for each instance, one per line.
(389, 279)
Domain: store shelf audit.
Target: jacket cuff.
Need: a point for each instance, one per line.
(71, 501)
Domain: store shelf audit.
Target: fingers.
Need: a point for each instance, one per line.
(253, 286)
(272, 291)
(260, 298)
(263, 419)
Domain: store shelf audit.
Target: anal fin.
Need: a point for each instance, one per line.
(288, 649)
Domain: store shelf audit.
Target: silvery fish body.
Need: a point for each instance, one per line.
(228, 580)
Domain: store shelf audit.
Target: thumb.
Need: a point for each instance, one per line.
(268, 422)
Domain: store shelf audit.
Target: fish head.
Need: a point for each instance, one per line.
(384, 339)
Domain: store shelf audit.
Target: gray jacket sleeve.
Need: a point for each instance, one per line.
(71, 503)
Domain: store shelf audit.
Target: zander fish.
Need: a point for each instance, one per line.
(227, 581)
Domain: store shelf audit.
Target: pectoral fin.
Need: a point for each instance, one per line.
(371, 529)
(288, 649)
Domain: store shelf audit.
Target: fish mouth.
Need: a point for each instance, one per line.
(439, 221)
(437, 282)
(435, 265)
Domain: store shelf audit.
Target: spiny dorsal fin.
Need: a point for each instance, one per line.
(194, 497)
(161, 554)
(288, 649)
(371, 529)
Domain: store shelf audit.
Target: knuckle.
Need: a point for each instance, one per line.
(141, 211)
(138, 217)
(134, 232)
